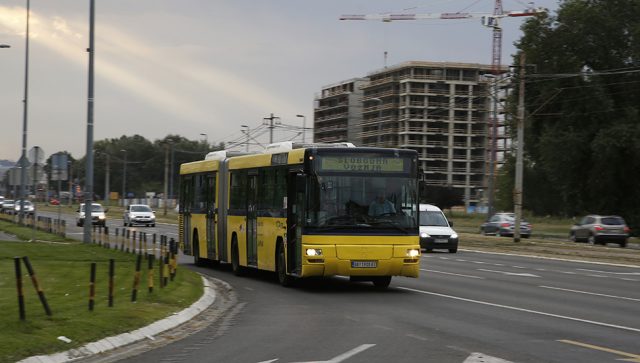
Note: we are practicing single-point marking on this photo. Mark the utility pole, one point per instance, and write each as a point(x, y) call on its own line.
point(271, 119)
point(517, 192)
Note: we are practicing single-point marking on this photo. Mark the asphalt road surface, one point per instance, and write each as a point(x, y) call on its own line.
point(466, 307)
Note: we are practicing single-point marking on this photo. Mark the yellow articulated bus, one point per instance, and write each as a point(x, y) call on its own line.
point(304, 210)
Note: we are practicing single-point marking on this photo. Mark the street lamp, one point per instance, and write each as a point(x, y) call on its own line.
point(304, 126)
point(124, 176)
point(248, 132)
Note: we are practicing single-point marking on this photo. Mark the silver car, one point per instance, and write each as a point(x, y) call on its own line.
point(27, 207)
point(597, 229)
point(139, 214)
point(503, 224)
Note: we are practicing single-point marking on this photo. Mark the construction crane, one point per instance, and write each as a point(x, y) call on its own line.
point(490, 20)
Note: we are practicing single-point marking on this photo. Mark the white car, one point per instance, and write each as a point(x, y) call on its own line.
point(139, 214)
point(98, 215)
point(435, 230)
point(27, 207)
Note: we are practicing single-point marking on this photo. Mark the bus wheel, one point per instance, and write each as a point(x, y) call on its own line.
point(235, 258)
point(281, 269)
point(381, 282)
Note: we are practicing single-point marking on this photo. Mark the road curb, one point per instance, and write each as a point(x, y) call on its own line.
point(147, 332)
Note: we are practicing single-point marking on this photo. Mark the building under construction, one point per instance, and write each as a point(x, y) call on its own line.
point(444, 111)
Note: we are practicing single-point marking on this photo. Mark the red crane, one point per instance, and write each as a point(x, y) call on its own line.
point(490, 20)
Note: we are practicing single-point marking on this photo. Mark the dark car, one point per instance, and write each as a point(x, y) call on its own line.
point(597, 229)
point(503, 224)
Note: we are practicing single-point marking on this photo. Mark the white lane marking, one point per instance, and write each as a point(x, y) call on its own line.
point(628, 279)
point(589, 293)
point(461, 260)
point(509, 273)
point(269, 361)
point(518, 267)
point(479, 262)
point(417, 337)
point(450, 273)
point(336, 359)
point(621, 327)
point(609, 272)
point(498, 264)
point(597, 276)
point(483, 358)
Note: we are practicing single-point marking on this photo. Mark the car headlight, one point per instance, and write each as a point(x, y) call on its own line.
point(101, 217)
point(314, 252)
point(424, 234)
point(413, 252)
point(454, 236)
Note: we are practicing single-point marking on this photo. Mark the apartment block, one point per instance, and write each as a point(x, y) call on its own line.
point(442, 110)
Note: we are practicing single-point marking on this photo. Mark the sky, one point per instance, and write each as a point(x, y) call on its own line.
point(194, 67)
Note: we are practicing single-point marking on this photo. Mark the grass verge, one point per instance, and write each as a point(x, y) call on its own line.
point(63, 271)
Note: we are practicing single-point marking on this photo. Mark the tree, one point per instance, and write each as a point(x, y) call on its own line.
point(582, 124)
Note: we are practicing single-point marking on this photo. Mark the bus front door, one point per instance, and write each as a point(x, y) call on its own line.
point(295, 220)
point(252, 220)
point(211, 222)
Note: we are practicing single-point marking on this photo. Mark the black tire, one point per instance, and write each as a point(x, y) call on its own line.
point(623, 244)
point(428, 250)
point(124, 222)
point(572, 237)
point(281, 268)
point(592, 240)
point(453, 250)
point(235, 258)
point(381, 282)
point(152, 225)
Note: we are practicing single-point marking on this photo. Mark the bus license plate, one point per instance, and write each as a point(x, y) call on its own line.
point(364, 264)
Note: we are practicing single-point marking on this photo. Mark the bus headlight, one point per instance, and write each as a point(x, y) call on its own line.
point(314, 252)
point(413, 252)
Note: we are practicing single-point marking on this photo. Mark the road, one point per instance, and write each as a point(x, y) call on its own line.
point(466, 307)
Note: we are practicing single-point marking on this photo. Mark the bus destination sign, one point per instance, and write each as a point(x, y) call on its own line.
point(362, 163)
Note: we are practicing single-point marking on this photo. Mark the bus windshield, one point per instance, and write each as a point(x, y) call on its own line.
point(365, 201)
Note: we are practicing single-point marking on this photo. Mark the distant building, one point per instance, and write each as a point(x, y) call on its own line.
point(440, 109)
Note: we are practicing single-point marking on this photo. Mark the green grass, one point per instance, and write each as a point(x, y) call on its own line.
point(63, 271)
point(29, 234)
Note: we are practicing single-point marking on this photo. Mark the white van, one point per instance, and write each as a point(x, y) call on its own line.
point(435, 230)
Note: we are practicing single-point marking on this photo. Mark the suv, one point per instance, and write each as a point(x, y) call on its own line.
point(139, 214)
point(98, 215)
point(597, 229)
point(435, 230)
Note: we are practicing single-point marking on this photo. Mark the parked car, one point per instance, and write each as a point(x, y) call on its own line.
point(8, 206)
point(503, 224)
point(597, 229)
point(139, 214)
point(98, 215)
point(1, 200)
point(435, 230)
point(27, 207)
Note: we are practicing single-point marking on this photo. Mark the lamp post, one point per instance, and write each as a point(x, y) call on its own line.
point(88, 193)
point(304, 126)
point(124, 177)
point(23, 158)
point(248, 133)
